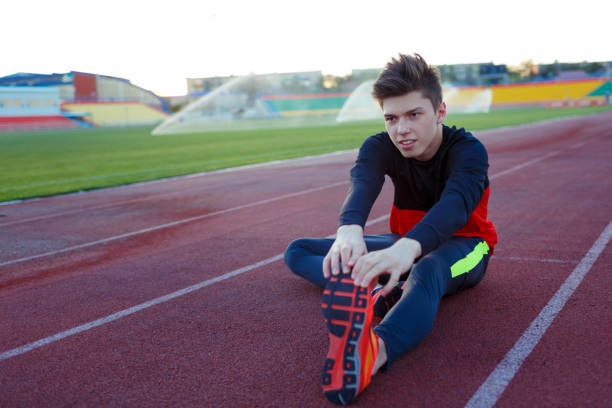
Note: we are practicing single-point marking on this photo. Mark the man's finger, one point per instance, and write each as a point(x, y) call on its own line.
point(345, 254)
point(354, 257)
point(393, 279)
point(377, 269)
point(361, 267)
point(335, 262)
point(326, 266)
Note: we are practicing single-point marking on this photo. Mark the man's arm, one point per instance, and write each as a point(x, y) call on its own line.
point(461, 195)
point(367, 179)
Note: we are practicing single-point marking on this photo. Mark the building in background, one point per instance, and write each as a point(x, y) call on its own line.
point(75, 99)
point(492, 74)
point(34, 107)
point(79, 99)
point(287, 82)
point(254, 101)
point(280, 83)
point(201, 86)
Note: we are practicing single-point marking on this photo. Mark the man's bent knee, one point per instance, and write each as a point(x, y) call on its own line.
point(294, 251)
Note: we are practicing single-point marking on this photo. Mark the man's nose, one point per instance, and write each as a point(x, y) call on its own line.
point(403, 126)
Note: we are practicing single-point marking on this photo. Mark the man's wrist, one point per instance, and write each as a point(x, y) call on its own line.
point(350, 228)
point(411, 245)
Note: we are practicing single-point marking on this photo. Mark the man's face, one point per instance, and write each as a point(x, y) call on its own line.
point(413, 124)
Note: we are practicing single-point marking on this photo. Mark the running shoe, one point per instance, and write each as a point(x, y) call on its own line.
point(353, 345)
point(382, 304)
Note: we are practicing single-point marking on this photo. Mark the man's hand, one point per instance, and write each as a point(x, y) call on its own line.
point(395, 260)
point(346, 249)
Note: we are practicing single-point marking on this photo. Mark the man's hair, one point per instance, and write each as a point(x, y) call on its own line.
point(407, 74)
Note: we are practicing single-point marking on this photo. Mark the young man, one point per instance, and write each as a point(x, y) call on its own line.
point(440, 240)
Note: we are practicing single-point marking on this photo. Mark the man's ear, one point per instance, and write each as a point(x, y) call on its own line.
point(441, 113)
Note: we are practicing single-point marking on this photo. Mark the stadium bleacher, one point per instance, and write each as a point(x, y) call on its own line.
point(307, 104)
point(32, 108)
point(75, 99)
point(13, 123)
point(601, 90)
point(538, 93)
point(117, 113)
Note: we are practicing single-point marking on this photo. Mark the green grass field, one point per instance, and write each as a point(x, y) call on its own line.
point(44, 163)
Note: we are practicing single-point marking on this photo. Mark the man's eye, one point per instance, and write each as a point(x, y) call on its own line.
point(415, 114)
point(389, 119)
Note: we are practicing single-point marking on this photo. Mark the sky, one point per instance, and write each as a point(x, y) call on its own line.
point(158, 44)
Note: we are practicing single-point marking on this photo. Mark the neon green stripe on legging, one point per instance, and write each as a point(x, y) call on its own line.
point(470, 261)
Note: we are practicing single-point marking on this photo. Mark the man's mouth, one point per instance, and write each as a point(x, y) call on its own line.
point(407, 143)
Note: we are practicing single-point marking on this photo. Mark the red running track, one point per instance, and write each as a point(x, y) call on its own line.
point(95, 269)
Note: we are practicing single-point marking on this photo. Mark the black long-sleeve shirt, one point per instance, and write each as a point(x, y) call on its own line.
point(434, 199)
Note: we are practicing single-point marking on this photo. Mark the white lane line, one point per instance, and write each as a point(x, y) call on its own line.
point(187, 176)
point(23, 349)
point(493, 387)
point(163, 195)
point(508, 171)
point(126, 312)
point(97, 207)
point(524, 259)
point(177, 166)
point(527, 163)
point(170, 224)
point(75, 211)
point(270, 163)
point(577, 145)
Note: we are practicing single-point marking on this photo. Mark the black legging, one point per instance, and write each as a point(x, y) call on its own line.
point(457, 264)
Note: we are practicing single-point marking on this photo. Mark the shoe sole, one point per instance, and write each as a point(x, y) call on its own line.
point(345, 308)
